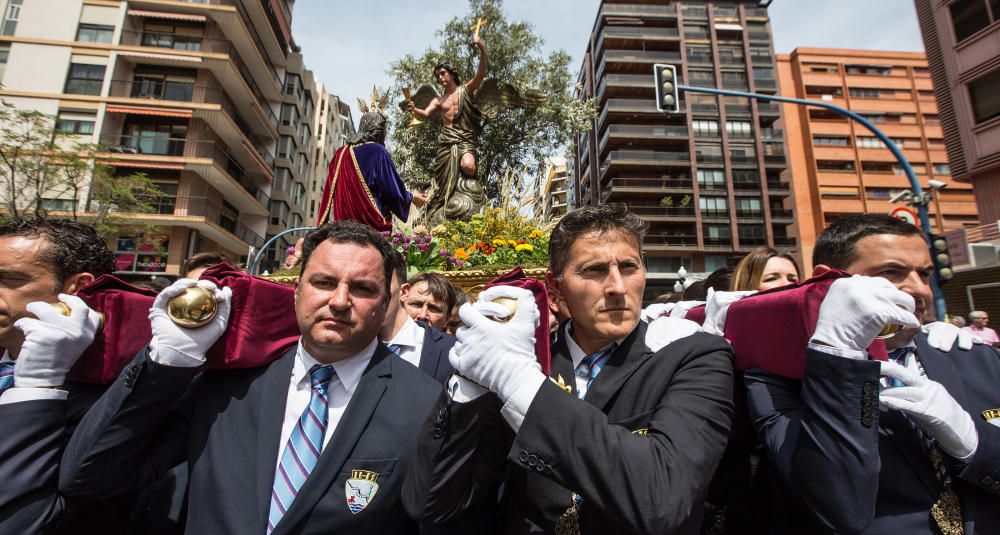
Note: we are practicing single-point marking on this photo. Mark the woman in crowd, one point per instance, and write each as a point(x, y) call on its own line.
point(764, 268)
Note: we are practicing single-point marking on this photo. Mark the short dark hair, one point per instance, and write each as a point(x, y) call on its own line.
point(836, 246)
point(602, 218)
point(399, 267)
point(718, 280)
point(200, 260)
point(354, 233)
point(72, 247)
point(451, 70)
point(439, 287)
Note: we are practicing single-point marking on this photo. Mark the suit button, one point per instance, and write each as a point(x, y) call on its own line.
point(548, 469)
point(540, 467)
point(868, 388)
point(523, 456)
point(987, 480)
point(867, 421)
point(437, 433)
point(995, 486)
point(443, 412)
point(532, 460)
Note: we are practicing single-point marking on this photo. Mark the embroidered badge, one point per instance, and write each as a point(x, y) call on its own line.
point(561, 383)
point(360, 489)
point(992, 416)
point(641, 432)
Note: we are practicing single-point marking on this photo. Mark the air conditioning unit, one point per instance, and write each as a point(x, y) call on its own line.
point(984, 254)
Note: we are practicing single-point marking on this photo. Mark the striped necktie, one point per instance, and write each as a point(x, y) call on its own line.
point(303, 449)
point(6, 376)
point(395, 348)
point(591, 365)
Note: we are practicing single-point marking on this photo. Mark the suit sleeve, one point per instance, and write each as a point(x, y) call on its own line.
point(983, 470)
point(134, 434)
point(459, 461)
point(822, 435)
point(33, 439)
point(649, 483)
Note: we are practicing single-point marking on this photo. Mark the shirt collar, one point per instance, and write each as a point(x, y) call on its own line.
point(348, 370)
point(576, 353)
point(411, 335)
point(6, 357)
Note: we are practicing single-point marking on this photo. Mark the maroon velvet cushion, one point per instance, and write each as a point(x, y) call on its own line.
point(262, 324)
point(126, 328)
point(771, 330)
point(518, 279)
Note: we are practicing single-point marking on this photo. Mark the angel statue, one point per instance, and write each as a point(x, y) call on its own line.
point(362, 183)
point(456, 192)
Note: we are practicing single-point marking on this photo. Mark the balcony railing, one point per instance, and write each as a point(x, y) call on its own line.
point(718, 242)
point(653, 183)
point(640, 10)
point(659, 211)
point(752, 241)
point(778, 187)
point(785, 241)
point(649, 156)
point(781, 214)
point(768, 108)
point(203, 207)
point(670, 240)
point(746, 186)
point(153, 144)
point(642, 33)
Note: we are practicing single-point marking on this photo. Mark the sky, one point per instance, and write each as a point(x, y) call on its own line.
point(349, 45)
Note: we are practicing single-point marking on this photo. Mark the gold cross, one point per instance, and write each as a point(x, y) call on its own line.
point(479, 24)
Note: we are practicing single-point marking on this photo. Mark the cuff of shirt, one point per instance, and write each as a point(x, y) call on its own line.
point(517, 406)
point(168, 356)
point(463, 390)
point(16, 395)
point(845, 353)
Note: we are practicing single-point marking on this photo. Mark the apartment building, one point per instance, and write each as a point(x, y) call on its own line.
point(551, 190)
point(709, 179)
point(838, 166)
point(188, 93)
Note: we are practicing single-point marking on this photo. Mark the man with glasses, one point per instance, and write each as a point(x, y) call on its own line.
point(616, 439)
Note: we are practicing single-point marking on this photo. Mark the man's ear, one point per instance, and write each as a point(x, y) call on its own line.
point(404, 291)
point(821, 269)
point(73, 284)
point(553, 283)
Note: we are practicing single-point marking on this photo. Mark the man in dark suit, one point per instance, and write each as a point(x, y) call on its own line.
point(617, 439)
point(46, 261)
point(911, 451)
point(318, 441)
point(406, 331)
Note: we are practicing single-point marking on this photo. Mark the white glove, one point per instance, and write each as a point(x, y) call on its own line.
point(175, 345)
point(857, 308)
point(665, 330)
point(934, 409)
point(716, 308)
point(53, 342)
point(681, 309)
point(942, 335)
point(498, 356)
point(656, 310)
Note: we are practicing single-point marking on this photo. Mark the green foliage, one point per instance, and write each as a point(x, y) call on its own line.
point(40, 162)
point(517, 138)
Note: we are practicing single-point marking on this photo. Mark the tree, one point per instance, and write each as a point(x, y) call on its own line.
point(40, 163)
point(517, 138)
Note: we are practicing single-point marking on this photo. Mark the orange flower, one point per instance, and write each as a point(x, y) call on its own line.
point(461, 254)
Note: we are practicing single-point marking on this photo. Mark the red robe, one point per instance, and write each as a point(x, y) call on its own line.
point(362, 185)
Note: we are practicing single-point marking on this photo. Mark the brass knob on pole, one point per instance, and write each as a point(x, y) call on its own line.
point(510, 304)
point(64, 309)
point(193, 308)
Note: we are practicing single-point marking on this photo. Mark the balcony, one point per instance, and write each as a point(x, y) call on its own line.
point(682, 213)
point(635, 60)
point(746, 242)
point(778, 188)
point(204, 157)
point(726, 12)
point(785, 242)
point(768, 108)
point(782, 215)
point(746, 187)
point(215, 221)
point(759, 36)
point(766, 84)
point(224, 119)
point(743, 160)
point(217, 55)
point(648, 158)
point(638, 10)
point(620, 132)
point(700, 59)
point(718, 244)
point(671, 241)
point(651, 185)
point(618, 36)
point(625, 84)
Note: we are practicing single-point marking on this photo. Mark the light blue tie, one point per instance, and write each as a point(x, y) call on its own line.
point(591, 365)
point(395, 348)
point(6, 376)
point(303, 449)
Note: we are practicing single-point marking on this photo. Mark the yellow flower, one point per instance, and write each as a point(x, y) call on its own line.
point(512, 242)
point(537, 233)
point(525, 247)
point(461, 254)
point(499, 241)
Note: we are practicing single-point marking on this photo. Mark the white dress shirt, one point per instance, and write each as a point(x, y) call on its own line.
point(338, 393)
point(15, 394)
point(410, 340)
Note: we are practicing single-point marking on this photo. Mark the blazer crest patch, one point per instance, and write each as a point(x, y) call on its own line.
point(360, 489)
point(561, 383)
point(992, 416)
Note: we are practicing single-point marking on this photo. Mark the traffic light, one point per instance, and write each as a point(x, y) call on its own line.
point(667, 96)
point(941, 258)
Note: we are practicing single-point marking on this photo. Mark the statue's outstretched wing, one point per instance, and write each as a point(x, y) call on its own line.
point(422, 97)
point(495, 95)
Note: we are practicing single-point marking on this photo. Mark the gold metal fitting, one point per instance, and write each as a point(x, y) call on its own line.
point(193, 308)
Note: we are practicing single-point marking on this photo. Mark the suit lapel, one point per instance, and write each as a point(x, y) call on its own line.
point(271, 399)
point(352, 424)
point(631, 354)
point(562, 371)
point(430, 353)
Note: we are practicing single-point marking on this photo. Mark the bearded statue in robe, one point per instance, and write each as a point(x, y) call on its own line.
point(456, 190)
point(362, 183)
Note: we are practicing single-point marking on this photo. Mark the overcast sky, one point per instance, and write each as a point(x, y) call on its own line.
point(349, 44)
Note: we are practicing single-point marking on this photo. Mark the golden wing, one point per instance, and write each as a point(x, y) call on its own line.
point(495, 95)
point(421, 98)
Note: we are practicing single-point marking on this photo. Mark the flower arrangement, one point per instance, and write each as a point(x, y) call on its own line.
point(495, 239)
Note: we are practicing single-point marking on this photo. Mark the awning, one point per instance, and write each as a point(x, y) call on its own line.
point(149, 111)
point(165, 15)
point(730, 27)
point(142, 165)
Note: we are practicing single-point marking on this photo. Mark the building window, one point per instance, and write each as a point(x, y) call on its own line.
point(831, 141)
point(95, 33)
point(706, 128)
point(4, 55)
point(57, 205)
point(874, 70)
point(75, 123)
point(968, 17)
point(879, 193)
point(85, 79)
point(942, 169)
point(702, 78)
point(868, 142)
point(717, 234)
point(712, 178)
point(713, 205)
point(10, 17)
point(286, 147)
point(835, 165)
point(863, 92)
point(748, 206)
point(985, 95)
point(739, 129)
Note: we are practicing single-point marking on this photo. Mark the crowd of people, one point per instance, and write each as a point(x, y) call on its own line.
point(409, 406)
